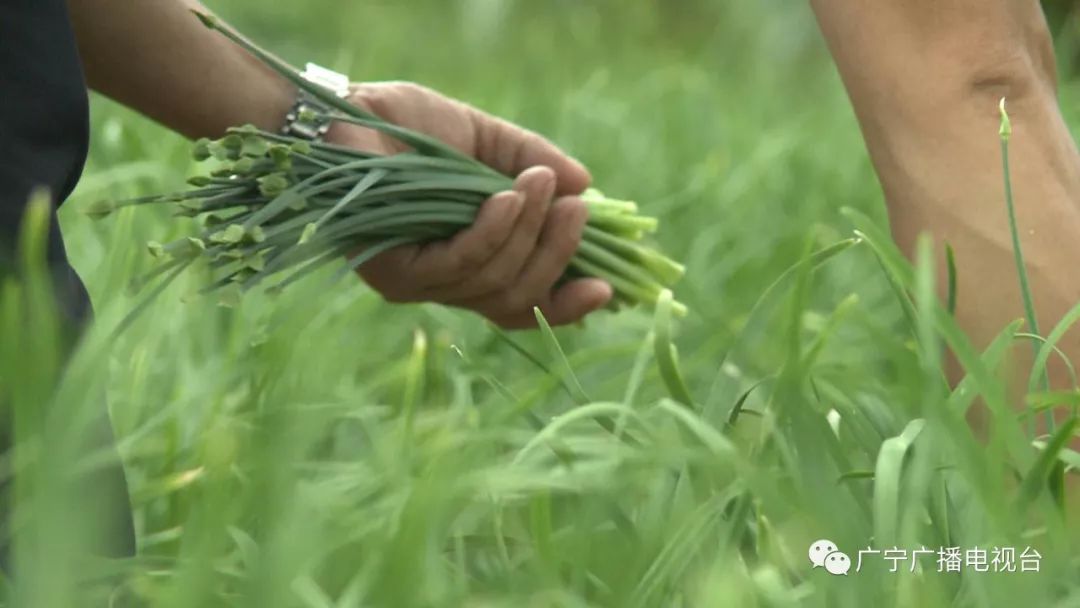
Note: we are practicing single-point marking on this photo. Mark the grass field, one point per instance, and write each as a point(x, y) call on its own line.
point(325, 449)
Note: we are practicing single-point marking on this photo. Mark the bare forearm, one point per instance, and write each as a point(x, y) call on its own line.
point(154, 56)
point(925, 78)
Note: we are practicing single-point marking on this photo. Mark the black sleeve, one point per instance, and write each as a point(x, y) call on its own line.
point(44, 124)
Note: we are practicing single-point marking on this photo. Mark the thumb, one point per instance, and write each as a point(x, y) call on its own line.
point(510, 149)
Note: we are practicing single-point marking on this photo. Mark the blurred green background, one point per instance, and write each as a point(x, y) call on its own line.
point(725, 120)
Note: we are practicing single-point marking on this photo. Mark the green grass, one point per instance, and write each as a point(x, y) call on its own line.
point(323, 448)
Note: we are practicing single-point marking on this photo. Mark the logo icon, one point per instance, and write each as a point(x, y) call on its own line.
point(824, 554)
point(838, 563)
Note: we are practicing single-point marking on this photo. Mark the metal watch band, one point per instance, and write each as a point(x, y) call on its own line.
point(305, 119)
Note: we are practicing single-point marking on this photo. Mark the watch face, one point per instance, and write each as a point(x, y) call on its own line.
point(307, 119)
point(336, 82)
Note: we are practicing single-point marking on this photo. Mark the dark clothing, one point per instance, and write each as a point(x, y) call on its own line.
point(44, 134)
point(44, 123)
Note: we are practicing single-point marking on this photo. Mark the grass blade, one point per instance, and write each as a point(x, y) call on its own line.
point(758, 321)
point(667, 357)
point(887, 480)
point(1038, 370)
point(1040, 472)
point(1018, 252)
point(950, 266)
point(566, 373)
point(737, 408)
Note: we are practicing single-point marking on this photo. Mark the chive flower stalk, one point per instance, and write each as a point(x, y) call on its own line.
point(275, 208)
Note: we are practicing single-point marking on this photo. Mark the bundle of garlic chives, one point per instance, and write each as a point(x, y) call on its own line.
point(277, 205)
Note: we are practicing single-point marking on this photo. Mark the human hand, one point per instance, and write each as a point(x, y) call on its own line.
point(510, 259)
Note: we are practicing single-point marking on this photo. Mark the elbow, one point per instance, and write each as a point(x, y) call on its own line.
point(1018, 79)
point(1021, 69)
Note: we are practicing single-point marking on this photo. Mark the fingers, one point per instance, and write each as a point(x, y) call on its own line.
point(568, 304)
point(521, 242)
point(533, 280)
point(559, 241)
point(406, 274)
point(458, 258)
point(506, 263)
point(510, 149)
point(500, 144)
point(536, 186)
point(512, 306)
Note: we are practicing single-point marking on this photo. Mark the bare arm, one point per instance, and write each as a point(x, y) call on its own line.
point(153, 55)
point(925, 78)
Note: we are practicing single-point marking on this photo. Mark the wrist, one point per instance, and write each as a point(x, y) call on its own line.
point(307, 117)
point(344, 133)
point(246, 92)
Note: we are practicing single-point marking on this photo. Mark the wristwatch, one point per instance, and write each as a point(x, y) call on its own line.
point(307, 118)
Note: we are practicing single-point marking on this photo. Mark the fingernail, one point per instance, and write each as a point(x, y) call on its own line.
point(580, 166)
point(547, 184)
point(505, 197)
point(513, 198)
point(510, 203)
point(539, 173)
point(604, 293)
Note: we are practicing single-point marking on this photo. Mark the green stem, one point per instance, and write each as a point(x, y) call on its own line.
point(1018, 252)
point(617, 265)
point(665, 269)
